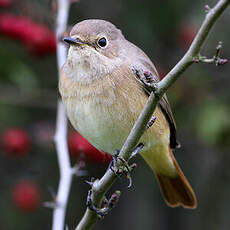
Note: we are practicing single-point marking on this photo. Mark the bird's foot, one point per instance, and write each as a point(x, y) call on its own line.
point(124, 168)
point(107, 205)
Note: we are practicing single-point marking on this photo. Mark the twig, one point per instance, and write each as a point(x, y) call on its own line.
point(66, 171)
point(100, 187)
point(215, 59)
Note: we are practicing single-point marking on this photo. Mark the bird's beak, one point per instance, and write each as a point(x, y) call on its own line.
point(73, 41)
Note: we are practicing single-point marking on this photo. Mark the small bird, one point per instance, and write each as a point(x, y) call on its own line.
point(103, 99)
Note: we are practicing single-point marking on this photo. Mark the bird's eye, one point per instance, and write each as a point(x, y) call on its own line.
point(102, 42)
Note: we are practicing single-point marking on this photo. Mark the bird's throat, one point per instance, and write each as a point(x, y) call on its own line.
point(86, 65)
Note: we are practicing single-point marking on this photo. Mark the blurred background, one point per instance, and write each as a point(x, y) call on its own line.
point(29, 171)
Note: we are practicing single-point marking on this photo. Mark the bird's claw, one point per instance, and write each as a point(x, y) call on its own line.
point(107, 204)
point(125, 168)
point(113, 164)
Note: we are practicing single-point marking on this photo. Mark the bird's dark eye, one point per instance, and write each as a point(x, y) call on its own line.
point(102, 42)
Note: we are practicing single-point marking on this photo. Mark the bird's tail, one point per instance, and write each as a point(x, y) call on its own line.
point(176, 190)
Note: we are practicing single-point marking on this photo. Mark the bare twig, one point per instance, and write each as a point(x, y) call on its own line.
point(100, 187)
point(66, 171)
point(215, 59)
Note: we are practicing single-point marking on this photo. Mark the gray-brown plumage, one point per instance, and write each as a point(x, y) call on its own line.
point(103, 99)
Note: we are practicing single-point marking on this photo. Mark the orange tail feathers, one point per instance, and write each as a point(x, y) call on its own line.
point(177, 190)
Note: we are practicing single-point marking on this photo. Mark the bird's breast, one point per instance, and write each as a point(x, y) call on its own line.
point(105, 110)
point(97, 112)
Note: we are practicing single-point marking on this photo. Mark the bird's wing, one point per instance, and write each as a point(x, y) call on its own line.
point(165, 107)
point(142, 61)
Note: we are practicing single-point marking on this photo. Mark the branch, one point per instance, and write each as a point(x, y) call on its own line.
point(66, 171)
point(100, 187)
point(215, 59)
point(194, 50)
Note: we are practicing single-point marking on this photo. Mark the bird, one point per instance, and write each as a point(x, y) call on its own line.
point(103, 98)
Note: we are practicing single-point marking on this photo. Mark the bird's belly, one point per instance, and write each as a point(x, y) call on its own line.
point(99, 125)
point(107, 126)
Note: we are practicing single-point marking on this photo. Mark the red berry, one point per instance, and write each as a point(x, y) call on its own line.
point(15, 27)
point(37, 38)
point(8, 24)
point(26, 196)
point(15, 141)
point(79, 145)
point(186, 34)
point(5, 3)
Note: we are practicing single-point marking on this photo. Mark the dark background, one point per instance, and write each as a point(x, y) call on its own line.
point(199, 101)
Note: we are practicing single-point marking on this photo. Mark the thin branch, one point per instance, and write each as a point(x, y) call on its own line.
point(66, 171)
point(100, 187)
point(61, 26)
point(215, 59)
point(194, 50)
